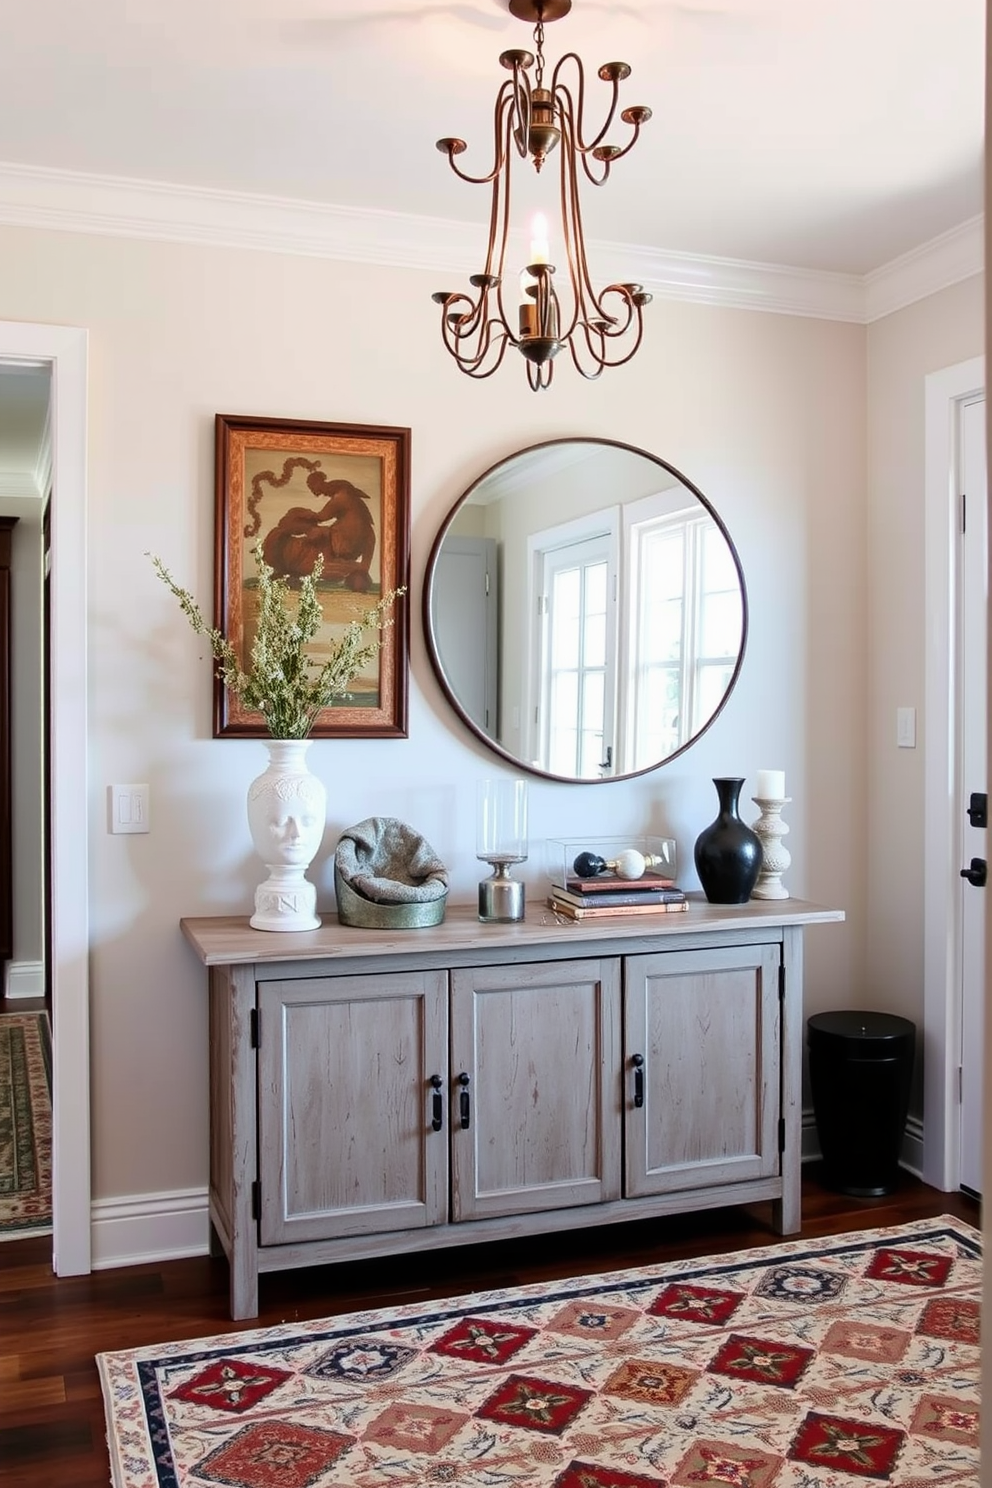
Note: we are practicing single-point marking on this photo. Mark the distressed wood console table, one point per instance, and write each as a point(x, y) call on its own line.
point(374, 1092)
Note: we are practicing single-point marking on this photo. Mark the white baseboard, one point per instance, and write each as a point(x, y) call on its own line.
point(169, 1226)
point(149, 1227)
point(24, 979)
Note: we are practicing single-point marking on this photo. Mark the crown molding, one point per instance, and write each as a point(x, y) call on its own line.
point(70, 201)
point(740, 284)
point(18, 485)
point(44, 465)
point(943, 261)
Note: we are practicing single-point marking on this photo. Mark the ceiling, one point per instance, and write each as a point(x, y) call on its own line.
point(821, 134)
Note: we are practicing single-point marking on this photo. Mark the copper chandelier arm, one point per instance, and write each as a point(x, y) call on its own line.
point(637, 115)
point(558, 86)
point(571, 214)
point(450, 147)
point(459, 332)
point(473, 363)
point(458, 324)
point(499, 217)
point(539, 376)
point(572, 233)
point(617, 152)
point(617, 325)
point(468, 335)
point(596, 340)
point(569, 113)
point(521, 105)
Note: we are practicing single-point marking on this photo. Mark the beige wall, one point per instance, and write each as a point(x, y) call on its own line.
point(766, 413)
point(903, 348)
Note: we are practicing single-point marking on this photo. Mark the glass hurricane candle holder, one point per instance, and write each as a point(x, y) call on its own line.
point(501, 841)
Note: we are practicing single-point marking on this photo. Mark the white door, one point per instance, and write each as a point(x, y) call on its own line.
point(973, 779)
point(464, 610)
point(577, 597)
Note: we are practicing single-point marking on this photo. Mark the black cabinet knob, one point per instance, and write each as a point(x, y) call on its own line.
point(637, 1060)
point(437, 1108)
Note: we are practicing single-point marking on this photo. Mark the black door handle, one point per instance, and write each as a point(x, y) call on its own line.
point(637, 1060)
point(463, 1101)
point(977, 873)
point(437, 1110)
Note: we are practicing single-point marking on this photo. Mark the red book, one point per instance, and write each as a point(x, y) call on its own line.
point(611, 911)
point(606, 882)
point(633, 893)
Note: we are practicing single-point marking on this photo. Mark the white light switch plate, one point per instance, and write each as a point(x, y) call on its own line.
point(129, 808)
point(906, 728)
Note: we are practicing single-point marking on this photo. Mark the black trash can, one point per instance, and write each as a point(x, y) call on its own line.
point(860, 1068)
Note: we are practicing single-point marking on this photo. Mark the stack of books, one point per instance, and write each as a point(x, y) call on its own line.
point(607, 894)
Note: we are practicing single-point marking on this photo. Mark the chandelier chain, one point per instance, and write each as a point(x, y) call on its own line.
point(539, 49)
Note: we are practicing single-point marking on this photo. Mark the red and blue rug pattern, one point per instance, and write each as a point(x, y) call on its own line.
point(25, 1125)
point(846, 1361)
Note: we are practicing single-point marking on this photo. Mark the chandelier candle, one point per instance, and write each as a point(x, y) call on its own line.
point(532, 122)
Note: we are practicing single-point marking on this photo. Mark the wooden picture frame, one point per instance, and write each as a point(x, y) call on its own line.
point(304, 487)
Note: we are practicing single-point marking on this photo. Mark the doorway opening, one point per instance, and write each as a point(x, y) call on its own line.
point(62, 349)
point(25, 471)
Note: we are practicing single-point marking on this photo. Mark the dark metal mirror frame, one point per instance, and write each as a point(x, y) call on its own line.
point(434, 653)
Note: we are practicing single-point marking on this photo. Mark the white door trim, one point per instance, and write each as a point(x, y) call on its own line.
point(944, 393)
point(64, 348)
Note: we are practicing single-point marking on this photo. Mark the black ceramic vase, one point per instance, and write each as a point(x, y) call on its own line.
point(728, 853)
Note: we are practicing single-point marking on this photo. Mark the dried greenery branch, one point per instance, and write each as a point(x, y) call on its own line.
point(283, 682)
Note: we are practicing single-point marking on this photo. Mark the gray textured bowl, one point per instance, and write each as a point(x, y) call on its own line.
point(367, 915)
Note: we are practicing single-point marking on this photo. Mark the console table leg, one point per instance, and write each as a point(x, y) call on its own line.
point(787, 1211)
point(244, 1288)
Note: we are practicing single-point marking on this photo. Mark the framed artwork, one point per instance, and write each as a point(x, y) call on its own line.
point(303, 489)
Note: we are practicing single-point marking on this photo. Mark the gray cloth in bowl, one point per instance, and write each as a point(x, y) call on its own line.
point(388, 862)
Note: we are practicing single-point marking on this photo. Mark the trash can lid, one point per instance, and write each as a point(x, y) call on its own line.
point(868, 1032)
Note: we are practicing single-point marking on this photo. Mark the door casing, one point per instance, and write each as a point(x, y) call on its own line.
point(945, 392)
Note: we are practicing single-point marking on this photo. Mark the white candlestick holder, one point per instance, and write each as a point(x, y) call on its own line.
point(775, 858)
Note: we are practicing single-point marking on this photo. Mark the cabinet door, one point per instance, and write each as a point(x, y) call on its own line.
point(539, 1045)
point(706, 1026)
point(345, 1105)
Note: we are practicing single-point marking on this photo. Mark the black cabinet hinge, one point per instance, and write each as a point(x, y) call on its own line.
point(256, 1199)
point(781, 1134)
point(254, 1034)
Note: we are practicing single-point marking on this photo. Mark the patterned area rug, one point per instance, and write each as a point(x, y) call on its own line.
point(805, 1365)
point(25, 1125)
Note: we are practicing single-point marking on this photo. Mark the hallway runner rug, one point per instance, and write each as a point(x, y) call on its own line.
point(810, 1364)
point(25, 1125)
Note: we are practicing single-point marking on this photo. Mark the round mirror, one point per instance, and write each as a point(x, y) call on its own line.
point(585, 610)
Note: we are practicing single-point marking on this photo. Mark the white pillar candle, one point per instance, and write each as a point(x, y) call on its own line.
point(540, 250)
point(769, 785)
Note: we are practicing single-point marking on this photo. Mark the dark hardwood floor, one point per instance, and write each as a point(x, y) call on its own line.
point(51, 1413)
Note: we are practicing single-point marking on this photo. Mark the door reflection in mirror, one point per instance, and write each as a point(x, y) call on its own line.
point(585, 610)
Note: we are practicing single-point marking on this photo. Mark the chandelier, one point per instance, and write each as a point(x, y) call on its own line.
point(530, 120)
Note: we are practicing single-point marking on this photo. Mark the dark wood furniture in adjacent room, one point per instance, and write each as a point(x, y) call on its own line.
point(7, 525)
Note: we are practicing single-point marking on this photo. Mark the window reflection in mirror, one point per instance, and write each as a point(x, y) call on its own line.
point(585, 610)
